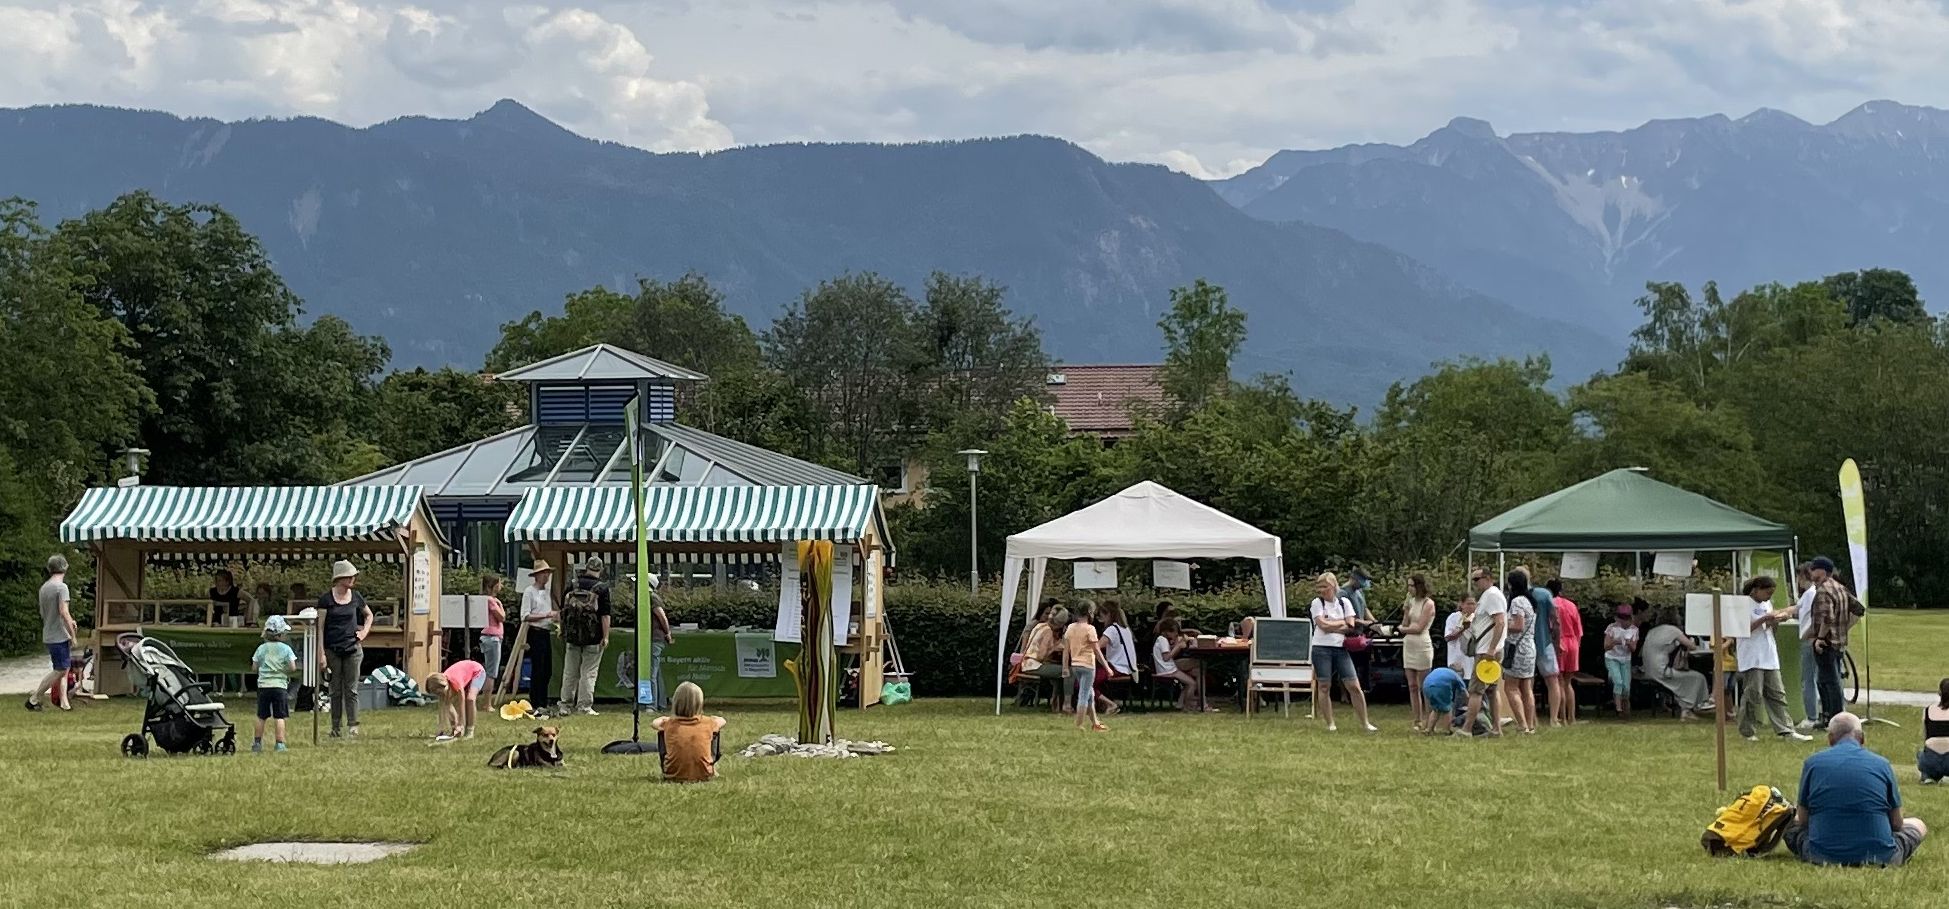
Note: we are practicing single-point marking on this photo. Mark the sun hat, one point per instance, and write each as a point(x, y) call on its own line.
point(541, 566)
point(276, 627)
point(1823, 563)
point(342, 569)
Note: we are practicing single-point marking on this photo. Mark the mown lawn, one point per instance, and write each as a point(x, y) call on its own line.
point(1910, 648)
point(1164, 810)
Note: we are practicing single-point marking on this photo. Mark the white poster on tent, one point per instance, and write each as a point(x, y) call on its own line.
point(789, 608)
point(842, 600)
point(1579, 566)
point(1095, 576)
point(1674, 564)
point(1166, 574)
point(1735, 615)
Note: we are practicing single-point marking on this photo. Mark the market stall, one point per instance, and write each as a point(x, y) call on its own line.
point(1146, 521)
point(127, 528)
point(703, 525)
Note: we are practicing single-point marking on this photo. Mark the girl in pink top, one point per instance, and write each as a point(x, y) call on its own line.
point(1569, 643)
point(457, 688)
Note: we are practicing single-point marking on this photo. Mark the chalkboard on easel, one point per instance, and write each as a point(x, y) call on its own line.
point(1282, 640)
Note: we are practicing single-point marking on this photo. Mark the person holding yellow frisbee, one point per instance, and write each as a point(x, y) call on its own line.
point(1483, 639)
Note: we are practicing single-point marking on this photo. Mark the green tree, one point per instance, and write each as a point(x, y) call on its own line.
point(983, 358)
point(1634, 420)
point(1034, 472)
point(1877, 294)
point(420, 412)
point(242, 393)
point(72, 397)
point(849, 346)
point(594, 316)
point(1202, 333)
point(1458, 446)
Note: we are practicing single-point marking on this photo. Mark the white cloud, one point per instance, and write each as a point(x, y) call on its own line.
point(1199, 85)
point(358, 61)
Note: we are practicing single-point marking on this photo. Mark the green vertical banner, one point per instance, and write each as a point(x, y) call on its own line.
point(645, 620)
point(1772, 565)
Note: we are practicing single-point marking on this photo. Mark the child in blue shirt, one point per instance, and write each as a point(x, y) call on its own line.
point(1446, 694)
point(276, 664)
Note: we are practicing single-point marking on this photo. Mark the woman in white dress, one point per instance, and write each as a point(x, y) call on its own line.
point(1417, 648)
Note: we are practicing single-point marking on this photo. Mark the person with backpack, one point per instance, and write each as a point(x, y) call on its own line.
point(586, 616)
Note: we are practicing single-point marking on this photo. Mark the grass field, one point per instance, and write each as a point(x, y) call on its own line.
point(1910, 648)
point(1163, 810)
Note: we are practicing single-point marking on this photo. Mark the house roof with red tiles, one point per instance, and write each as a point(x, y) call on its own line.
point(1096, 399)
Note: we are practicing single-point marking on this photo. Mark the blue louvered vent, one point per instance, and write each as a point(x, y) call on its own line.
point(601, 404)
point(448, 512)
point(661, 407)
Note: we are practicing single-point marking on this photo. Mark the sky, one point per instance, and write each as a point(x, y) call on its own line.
point(1209, 87)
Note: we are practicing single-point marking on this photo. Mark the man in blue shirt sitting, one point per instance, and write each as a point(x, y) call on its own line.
point(1850, 811)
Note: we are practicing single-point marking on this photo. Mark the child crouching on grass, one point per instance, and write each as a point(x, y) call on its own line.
point(458, 688)
point(276, 663)
point(687, 753)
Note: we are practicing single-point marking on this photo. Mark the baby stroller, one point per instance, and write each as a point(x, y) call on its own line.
point(179, 714)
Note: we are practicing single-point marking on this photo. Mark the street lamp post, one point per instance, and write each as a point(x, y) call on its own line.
point(974, 456)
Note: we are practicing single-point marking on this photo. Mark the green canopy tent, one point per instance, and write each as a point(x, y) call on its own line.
point(1626, 511)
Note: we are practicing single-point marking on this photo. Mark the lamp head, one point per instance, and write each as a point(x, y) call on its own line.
point(974, 456)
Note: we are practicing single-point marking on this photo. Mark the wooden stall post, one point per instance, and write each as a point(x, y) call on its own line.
point(1719, 689)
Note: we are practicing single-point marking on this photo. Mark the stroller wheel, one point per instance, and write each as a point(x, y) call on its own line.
point(201, 748)
point(135, 746)
point(227, 746)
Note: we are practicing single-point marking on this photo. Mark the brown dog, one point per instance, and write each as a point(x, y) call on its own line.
point(542, 752)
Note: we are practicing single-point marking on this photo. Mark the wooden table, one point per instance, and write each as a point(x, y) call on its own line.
point(1208, 653)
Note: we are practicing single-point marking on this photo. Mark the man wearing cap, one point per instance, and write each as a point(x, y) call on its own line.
point(58, 633)
point(538, 616)
point(345, 620)
point(586, 616)
point(1483, 639)
point(1850, 808)
point(1832, 614)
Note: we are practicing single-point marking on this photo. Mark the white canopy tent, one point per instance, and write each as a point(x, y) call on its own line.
point(1146, 521)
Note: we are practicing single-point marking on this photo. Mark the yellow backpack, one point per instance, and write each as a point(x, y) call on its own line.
point(1752, 825)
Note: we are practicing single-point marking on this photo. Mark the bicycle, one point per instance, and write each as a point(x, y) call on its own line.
point(1850, 678)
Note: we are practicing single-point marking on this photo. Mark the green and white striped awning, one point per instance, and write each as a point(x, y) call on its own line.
point(696, 514)
point(243, 514)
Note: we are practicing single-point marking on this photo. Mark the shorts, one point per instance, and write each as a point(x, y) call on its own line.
point(1333, 664)
point(1620, 673)
point(1441, 698)
point(1932, 765)
point(60, 655)
point(273, 702)
point(1479, 687)
point(1084, 678)
point(1546, 662)
point(478, 684)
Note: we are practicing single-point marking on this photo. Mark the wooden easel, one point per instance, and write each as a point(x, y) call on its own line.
point(510, 669)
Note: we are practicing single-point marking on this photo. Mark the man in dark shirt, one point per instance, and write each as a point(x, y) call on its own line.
point(1850, 809)
point(584, 638)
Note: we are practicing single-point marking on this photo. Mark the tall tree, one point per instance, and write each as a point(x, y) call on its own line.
point(1202, 333)
point(1877, 294)
point(242, 394)
point(983, 358)
point(420, 412)
point(72, 396)
point(849, 346)
point(593, 316)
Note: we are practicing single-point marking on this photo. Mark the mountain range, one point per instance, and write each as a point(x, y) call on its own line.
point(1571, 225)
point(430, 233)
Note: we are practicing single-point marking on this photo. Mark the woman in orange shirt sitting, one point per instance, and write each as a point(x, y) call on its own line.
point(688, 755)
